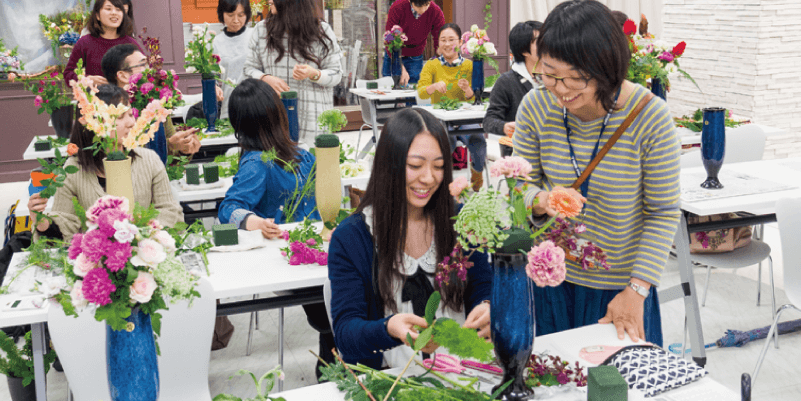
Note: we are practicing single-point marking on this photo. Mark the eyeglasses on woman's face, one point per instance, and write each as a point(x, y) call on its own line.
point(549, 80)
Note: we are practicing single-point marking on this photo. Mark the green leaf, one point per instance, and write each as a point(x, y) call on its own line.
point(409, 339)
point(71, 169)
point(431, 307)
point(226, 397)
point(461, 342)
point(423, 339)
point(500, 390)
point(155, 320)
point(242, 372)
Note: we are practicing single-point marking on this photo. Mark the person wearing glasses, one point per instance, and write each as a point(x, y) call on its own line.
point(118, 65)
point(511, 86)
point(108, 25)
point(631, 200)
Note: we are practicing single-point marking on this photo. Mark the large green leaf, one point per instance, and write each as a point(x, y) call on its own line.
point(431, 307)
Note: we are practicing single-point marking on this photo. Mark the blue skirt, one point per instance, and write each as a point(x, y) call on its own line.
point(569, 306)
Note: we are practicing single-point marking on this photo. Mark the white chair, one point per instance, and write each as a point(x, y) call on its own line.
point(369, 119)
point(185, 345)
point(789, 219)
point(743, 144)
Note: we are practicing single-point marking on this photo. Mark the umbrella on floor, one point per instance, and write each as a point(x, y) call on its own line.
point(737, 338)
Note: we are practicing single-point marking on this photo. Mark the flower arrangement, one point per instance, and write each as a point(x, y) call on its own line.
point(477, 44)
point(199, 57)
point(123, 260)
point(154, 82)
point(695, 122)
point(9, 59)
point(652, 58)
point(101, 119)
point(394, 39)
point(64, 28)
point(551, 370)
point(305, 245)
point(257, 8)
point(51, 92)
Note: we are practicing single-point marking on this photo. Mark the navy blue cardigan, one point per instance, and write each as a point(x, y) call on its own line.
point(356, 309)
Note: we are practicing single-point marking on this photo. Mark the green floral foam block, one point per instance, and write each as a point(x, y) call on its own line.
point(40, 146)
point(225, 234)
point(192, 174)
point(605, 383)
point(211, 172)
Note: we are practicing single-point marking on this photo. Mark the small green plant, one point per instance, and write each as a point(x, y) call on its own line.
point(223, 125)
point(55, 166)
point(332, 120)
point(233, 164)
point(265, 383)
point(295, 199)
point(446, 103)
point(176, 166)
point(19, 362)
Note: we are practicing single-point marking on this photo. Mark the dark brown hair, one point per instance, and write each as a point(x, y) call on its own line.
point(259, 119)
point(296, 21)
point(584, 34)
point(88, 159)
point(96, 29)
point(229, 6)
point(386, 193)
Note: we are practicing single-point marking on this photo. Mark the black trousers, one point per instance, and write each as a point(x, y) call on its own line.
point(317, 317)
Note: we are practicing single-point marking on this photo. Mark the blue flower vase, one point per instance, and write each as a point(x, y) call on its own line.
point(477, 81)
point(290, 100)
point(210, 103)
point(658, 88)
point(512, 314)
point(713, 145)
point(132, 369)
point(396, 67)
point(159, 143)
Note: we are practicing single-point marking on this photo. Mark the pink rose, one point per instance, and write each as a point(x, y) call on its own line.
point(166, 240)
point(143, 287)
point(546, 264)
point(83, 266)
point(163, 74)
point(76, 294)
point(154, 224)
point(149, 253)
point(458, 185)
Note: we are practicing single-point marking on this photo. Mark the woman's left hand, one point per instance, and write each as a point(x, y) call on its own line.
point(626, 313)
point(479, 318)
point(464, 85)
point(303, 71)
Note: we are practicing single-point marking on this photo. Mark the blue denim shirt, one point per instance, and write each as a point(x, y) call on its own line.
point(262, 188)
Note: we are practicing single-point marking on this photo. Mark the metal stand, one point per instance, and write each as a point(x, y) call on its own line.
point(38, 343)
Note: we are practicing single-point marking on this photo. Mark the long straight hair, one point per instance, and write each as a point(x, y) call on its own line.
point(126, 26)
point(82, 137)
point(259, 120)
point(386, 194)
point(297, 22)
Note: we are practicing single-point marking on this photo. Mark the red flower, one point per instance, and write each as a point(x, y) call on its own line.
point(679, 49)
point(629, 27)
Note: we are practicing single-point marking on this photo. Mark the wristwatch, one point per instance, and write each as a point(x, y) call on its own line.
point(639, 289)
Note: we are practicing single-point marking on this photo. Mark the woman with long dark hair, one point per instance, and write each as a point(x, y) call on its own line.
point(382, 260)
point(108, 25)
point(150, 183)
point(631, 200)
point(292, 50)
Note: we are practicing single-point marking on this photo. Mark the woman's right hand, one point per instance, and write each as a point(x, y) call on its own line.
point(98, 79)
point(402, 323)
point(542, 206)
point(37, 204)
point(440, 87)
point(509, 129)
point(278, 84)
point(267, 227)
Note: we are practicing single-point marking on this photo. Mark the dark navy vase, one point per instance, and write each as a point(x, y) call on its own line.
point(512, 316)
point(658, 88)
point(290, 100)
point(396, 67)
point(61, 118)
point(210, 103)
point(713, 145)
point(159, 143)
point(477, 79)
point(133, 373)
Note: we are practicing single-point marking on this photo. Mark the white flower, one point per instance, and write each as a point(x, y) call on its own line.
point(76, 294)
point(671, 68)
point(166, 240)
point(489, 47)
point(190, 69)
point(143, 287)
point(53, 285)
point(473, 28)
point(126, 231)
point(52, 24)
point(149, 253)
point(472, 45)
point(222, 70)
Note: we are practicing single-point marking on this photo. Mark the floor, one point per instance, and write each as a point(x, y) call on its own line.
point(731, 304)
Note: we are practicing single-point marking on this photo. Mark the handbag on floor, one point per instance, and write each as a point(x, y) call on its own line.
point(653, 370)
point(718, 241)
point(460, 158)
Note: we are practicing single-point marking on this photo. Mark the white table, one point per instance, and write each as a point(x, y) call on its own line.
point(690, 139)
point(375, 97)
point(455, 120)
point(32, 154)
point(566, 345)
point(785, 172)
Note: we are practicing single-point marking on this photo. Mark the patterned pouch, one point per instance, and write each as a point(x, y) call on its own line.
point(653, 370)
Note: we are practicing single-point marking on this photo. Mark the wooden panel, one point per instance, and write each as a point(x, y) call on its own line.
point(162, 18)
point(472, 12)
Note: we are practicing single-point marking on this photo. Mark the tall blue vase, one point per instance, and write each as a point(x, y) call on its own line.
point(512, 315)
point(290, 100)
point(396, 67)
point(132, 369)
point(477, 80)
point(658, 88)
point(713, 145)
point(210, 103)
point(159, 143)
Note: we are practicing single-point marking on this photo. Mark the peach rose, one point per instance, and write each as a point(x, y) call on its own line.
point(143, 287)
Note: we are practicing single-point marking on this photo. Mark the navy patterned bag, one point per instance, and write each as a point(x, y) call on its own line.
point(653, 370)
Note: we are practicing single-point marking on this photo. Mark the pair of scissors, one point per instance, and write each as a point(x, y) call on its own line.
point(445, 363)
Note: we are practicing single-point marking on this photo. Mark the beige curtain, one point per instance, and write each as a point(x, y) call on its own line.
point(524, 10)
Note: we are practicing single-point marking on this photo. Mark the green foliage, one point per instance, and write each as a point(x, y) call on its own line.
point(431, 307)
point(490, 80)
point(142, 215)
point(55, 166)
point(233, 164)
point(342, 215)
point(176, 166)
point(695, 122)
point(295, 199)
point(446, 103)
point(181, 232)
point(332, 120)
point(19, 362)
point(263, 385)
point(487, 15)
point(114, 313)
point(344, 152)
point(462, 342)
point(223, 126)
point(79, 211)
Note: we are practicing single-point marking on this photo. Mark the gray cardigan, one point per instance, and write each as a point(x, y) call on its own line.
point(507, 93)
point(313, 97)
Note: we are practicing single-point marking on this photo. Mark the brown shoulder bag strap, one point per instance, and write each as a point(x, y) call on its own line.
point(594, 163)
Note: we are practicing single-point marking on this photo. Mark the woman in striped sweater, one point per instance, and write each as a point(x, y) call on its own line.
point(631, 202)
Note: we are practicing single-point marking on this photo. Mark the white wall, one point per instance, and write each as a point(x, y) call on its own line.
point(525, 10)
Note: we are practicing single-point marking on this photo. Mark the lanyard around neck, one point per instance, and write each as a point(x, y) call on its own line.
point(585, 186)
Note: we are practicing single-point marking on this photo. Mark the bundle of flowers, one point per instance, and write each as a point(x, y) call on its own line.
point(305, 245)
point(154, 82)
point(101, 119)
point(199, 56)
point(351, 169)
point(477, 44)
point(257, 8)
point(551, 370)
point(652, 58)
point(64, 27)
point(695, 122)
point(123, 260)
point(394, 39)
point(9, 59)
point(51, 92)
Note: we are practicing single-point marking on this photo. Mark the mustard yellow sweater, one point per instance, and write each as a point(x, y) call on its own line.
point(433, 72)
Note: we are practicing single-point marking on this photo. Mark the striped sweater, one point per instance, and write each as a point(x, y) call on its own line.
point(632, 207)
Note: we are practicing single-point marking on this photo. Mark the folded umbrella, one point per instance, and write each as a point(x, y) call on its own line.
point(737, 338)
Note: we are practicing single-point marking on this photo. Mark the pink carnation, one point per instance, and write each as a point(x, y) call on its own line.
point(322, 258)
point(94, 245)
point(135, 112)
point(311, 242)
point(117, 255)
point(106, 219)
point(146, 88)
point(37, 101)
point(546, 264)
point(285, 235)
point(135, 78)
point(296, 247)
point(666, 56)
point(97, 287)
point(216, 58)
point(511, 167)
point(163, 74)
point(458, 185)
point(106, 202)
point(295, 259)
point(165, 93)
point(75, 246)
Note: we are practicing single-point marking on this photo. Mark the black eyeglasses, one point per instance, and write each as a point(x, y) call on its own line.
point(143, 64)
point(569, 82)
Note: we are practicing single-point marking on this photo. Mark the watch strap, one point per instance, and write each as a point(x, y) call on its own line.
point(644, 292)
